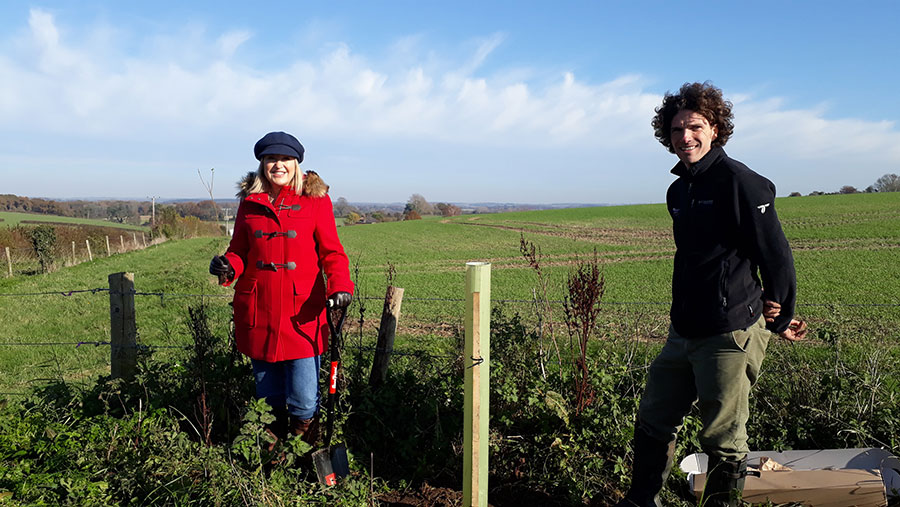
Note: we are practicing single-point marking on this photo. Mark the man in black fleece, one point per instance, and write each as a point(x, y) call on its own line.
point(729, 247)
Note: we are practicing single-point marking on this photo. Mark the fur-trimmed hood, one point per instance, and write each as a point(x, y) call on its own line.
point(313, 185)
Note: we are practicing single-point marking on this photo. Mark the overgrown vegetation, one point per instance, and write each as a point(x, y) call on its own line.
point(177, 434)
point(172, 225)
point(186, 430)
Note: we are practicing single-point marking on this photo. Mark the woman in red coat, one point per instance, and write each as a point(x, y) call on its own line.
point(284, 240)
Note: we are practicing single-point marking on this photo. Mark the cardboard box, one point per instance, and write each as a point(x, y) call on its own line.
point(818, 478)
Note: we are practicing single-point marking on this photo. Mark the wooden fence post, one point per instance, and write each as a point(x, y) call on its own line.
point(393, 299)
point(8, 262)
point(477, 384)
point(134, 237)
point(73, 254)
point(144, 240)
point(122, 326)
point(87, 243)
point(122, 243)
point(108, 251)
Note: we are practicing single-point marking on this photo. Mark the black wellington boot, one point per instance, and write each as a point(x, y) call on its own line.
point(724, 482)
point(652, 462)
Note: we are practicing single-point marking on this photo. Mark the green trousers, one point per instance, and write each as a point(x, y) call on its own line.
point(715, 372)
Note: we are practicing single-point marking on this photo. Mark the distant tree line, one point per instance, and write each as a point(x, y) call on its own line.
point(886, 183)
point(130, 212)
point(114, 210)
point(138, 212)
point(416, 207)
point(204, 210)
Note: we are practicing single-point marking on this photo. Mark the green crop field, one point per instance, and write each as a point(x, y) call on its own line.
point(846, 247)
point(12, 219)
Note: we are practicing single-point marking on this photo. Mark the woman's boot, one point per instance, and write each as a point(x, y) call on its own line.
point(277, 429)
point(306, 429)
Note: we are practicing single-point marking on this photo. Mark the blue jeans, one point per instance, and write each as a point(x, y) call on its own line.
point(294, 383)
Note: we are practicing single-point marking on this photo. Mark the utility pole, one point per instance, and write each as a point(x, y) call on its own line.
point(225, 213)
point(153, 210)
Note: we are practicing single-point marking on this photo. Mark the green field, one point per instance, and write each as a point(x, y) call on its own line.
point(837, 389)
point(847, 251)
point(12, 219)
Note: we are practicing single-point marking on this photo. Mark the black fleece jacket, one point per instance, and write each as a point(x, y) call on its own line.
point(727, 236)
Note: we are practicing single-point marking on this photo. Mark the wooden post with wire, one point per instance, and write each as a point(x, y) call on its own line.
point(122, 243)
point(108, 251)
point(74, 261)
point(393, 299)
point(122, 326)
point(8, 262)
point(87, 243)
point(477, 384)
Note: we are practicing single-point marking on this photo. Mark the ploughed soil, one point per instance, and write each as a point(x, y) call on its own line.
point(431, 496)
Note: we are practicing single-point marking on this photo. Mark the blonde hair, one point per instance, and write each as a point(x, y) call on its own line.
point(261, 183)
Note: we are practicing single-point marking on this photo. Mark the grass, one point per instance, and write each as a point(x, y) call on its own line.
point(12, 219)
point(846, 248)
point(175, 268)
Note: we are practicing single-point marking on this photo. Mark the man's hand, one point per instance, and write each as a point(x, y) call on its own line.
point(795, 332)
point(771, 309)
point(340, 300)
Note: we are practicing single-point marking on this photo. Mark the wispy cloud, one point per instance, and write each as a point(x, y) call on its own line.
point(183, 101)
point(229, 42)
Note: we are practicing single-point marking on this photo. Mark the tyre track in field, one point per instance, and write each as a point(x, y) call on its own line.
point(844, 244)
point(452, 265)
point(605, 235)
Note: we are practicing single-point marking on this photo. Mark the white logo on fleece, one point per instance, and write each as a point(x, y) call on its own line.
point(762, 207)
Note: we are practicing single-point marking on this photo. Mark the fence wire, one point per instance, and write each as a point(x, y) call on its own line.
point(177, 295)
point(13, 342)
point(94, 343)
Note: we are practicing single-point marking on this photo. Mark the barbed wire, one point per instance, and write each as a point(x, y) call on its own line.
point(51, 344)
point(55, 293)
point(618, 303)
point(417, 353)
point(94, 343)
point(170, 295)
point(176, 295)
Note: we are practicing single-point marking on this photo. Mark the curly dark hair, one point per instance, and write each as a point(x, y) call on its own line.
point(702, 98)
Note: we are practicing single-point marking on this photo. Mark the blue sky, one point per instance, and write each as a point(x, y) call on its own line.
point(530, 102)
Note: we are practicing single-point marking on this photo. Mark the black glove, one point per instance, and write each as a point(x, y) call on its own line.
point(219, 266)
point(340, 300)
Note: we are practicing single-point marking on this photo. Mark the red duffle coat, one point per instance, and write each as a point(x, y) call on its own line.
point(279, 251)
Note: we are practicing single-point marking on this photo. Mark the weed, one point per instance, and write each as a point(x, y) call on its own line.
point(582, 307)
point(43, 241)
point(532, 254)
